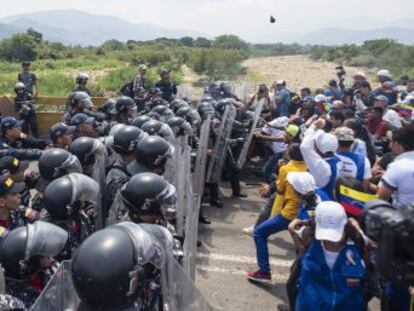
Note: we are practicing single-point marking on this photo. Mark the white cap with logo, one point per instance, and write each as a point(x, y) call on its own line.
point(327, 142)
point(330, 220)
point(302, 182)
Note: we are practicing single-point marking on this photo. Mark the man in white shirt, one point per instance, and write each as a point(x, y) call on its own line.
point(328, 156)
point(398, 179)
point(390, 116)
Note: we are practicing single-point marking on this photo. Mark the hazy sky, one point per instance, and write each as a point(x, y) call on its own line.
point(242, 17)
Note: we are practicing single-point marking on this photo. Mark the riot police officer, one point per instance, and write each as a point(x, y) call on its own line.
point(81, 82)
point(124, 144)
point(23, 105)
point(151, 155)
point(70, 202)
point(127, 282)
point(27, 255)
point(126, 110)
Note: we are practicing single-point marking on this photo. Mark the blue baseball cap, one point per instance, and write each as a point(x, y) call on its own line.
point(7, 185)
point(60, 129)
point(9, 123)
point(81, 118)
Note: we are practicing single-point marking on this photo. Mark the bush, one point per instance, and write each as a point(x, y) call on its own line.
point(19, 47)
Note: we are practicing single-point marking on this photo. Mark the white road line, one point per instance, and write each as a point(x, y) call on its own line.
point(243, 259)
point(275, 277)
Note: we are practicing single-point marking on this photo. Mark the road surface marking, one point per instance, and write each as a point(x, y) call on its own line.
point(275, 277)
point(243, 259)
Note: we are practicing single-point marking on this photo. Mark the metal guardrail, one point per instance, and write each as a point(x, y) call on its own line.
point(49, 110)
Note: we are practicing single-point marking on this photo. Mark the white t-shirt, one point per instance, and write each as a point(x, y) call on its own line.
point(393, 118)
point(330, 257)
point(359, 147)
point(277, 147)
point(399, 177)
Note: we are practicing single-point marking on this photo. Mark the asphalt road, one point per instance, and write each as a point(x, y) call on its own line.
point(227, 254)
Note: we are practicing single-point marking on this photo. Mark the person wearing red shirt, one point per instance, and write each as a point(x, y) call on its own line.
point(375, 124)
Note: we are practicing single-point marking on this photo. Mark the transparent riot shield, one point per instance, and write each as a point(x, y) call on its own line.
point(98, 175)
point(256, 117)
point(242, 91)
point(2, 281)
point(179, 291)
point(201, 157)
point(59, 294)
point(218, 157)
point(184, 92)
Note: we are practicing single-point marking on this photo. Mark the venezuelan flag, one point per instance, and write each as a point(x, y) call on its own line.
point(353, 201)
point(406, 110)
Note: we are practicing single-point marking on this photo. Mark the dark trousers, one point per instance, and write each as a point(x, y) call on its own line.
point(292, 283)
point(30, 121)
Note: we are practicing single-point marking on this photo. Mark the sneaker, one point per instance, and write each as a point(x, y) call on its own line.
point(261, 277)
point(248, 230)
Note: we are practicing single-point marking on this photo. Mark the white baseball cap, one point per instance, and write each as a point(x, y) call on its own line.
point(384, 73)
point(302, 182)
point(327, 142)
point(320, 98)
point(330, 218)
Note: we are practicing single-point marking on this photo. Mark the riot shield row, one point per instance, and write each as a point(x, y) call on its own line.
point(178, 291)
point(218, 157)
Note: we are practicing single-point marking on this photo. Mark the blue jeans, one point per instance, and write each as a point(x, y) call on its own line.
point(261, 233)
point(270, 167)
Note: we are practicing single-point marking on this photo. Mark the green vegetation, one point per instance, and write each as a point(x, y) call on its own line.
point(384, 53)
point(114, 63)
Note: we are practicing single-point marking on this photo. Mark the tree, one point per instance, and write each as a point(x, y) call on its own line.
point(19, 47)
point(37, 36)
point(201, 42)
point(187, 41)
point(113, 45)
point(230, 42)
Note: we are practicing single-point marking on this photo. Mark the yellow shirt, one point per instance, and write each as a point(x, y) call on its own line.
point(287, 201)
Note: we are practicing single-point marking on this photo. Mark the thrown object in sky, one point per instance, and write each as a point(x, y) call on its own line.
point(272, 19)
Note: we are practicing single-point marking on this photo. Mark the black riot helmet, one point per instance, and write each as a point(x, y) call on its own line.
point(152, 127)
point(84, 148)
point(80, 99)
point(124, 103)
point(103, 279)
point(223, 103)
point(179, 126)
point(183, 111)
point(205, 108)
point(126, 139)
point(139, 121)
point(57, 162)
point(61, 194)
point(109, 107)
point(160, 109)
point(179, 105)
point(145, 193)
point(21, 249)
point(153, 152)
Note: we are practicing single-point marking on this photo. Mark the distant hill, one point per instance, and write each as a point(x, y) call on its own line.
point(7, 30)
point(78, 27)
point(337, 36)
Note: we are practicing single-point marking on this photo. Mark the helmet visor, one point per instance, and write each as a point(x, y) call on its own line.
point(44, 239)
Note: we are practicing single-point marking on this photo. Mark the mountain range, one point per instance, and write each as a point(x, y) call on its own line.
point(78, 27)
point(81, 28)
